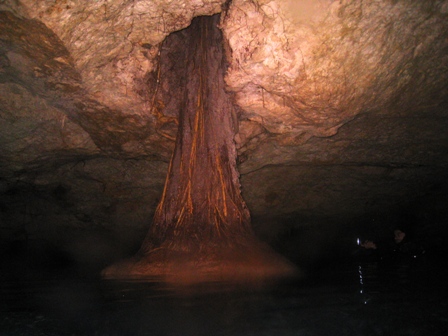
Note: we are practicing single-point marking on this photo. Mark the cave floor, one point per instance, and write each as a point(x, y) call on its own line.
point(347, 299)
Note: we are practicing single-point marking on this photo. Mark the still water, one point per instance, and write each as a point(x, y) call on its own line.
point(340, 299)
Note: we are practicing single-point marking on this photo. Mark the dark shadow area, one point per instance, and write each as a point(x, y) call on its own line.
point(56, 296)
point(315, 242)
point(54, 288)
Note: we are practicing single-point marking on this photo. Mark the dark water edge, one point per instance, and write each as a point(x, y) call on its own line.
point(406, 297)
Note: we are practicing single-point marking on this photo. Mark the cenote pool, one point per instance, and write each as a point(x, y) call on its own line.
point(350, 298)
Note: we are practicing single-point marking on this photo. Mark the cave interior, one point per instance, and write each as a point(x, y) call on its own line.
point(338, 110)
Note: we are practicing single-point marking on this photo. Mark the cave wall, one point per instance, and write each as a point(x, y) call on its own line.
point(342, 110)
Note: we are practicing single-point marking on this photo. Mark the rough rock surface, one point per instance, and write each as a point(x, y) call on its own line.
point(342, 109)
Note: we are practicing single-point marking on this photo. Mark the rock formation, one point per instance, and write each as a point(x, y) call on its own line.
point(340, 109)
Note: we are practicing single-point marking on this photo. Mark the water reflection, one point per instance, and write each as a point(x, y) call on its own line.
point(353, 299)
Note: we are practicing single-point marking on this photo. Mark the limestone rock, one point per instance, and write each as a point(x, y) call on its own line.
point(342, 108)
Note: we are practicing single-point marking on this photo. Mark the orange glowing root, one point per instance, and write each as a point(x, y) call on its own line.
point(201, 229)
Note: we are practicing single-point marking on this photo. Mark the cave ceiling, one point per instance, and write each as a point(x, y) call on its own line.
point(342, 106)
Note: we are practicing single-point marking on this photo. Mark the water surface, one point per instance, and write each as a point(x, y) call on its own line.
point(407, 298)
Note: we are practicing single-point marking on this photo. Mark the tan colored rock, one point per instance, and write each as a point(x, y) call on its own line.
point(341, 105)
point(296, 74)
point(114, 44)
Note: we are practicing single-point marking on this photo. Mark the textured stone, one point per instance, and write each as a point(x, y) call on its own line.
point(342, 108)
